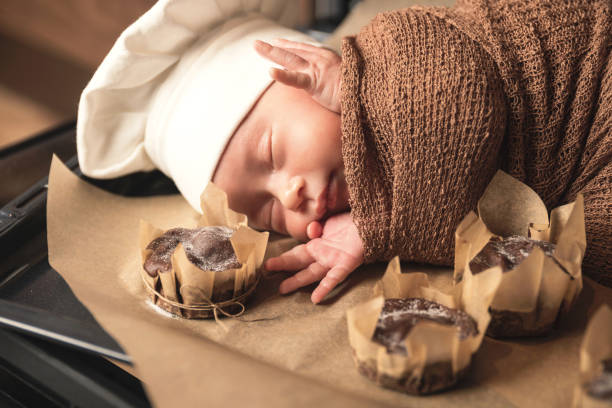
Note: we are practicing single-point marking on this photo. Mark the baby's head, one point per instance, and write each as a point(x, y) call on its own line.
point(283, 165)
point(183, 91)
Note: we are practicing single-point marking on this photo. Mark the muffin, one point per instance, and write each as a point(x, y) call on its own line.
point(397, 318)
point(508, 253)
point(540, 259)
point(207, 248)
point(415, 339)
point(206, 270)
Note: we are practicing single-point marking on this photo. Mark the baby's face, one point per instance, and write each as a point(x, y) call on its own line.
point(283, 166)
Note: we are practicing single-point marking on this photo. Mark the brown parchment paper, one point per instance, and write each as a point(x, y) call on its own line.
point(301, 355)
point(537, 289)
point(596, 347)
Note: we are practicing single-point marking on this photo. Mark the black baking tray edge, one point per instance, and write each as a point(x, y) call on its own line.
point(34, 298)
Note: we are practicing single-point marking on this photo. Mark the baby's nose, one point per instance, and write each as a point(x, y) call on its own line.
point(293, 195)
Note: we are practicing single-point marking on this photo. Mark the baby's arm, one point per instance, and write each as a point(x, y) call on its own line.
point(313, 69)
point(334, 251)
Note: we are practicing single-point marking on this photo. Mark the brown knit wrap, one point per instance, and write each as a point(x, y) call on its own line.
point(434, 100)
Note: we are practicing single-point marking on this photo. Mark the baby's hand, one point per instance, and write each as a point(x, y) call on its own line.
point(314, 69)
point(329, 258)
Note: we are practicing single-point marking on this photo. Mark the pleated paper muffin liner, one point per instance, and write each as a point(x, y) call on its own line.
point(436, 356)
point(531, 295)
point(188, 291)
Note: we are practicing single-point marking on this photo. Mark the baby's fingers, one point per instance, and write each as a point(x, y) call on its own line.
point(295, 259)
point(314, 230)
point(281, 56)
point(313, 273)
point(291, 78)
point(329, 282)
point(282, 42)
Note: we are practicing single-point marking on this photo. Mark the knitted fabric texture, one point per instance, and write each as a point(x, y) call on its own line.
point(435, 100)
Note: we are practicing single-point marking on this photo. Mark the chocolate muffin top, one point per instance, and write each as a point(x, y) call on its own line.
point(208, 248)
point(601, 387)
point(399, 316)
point(508, 252)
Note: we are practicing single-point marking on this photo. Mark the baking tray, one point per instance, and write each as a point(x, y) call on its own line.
point(34, 298)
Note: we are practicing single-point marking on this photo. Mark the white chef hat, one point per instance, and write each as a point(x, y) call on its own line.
point(174, 88)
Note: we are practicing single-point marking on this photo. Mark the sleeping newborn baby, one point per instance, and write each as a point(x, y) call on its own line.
point(283, 167)
point(379, 153)
point(183, 90)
